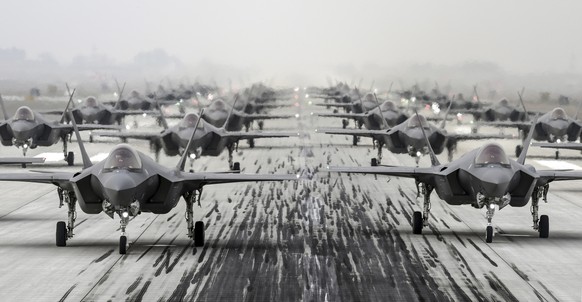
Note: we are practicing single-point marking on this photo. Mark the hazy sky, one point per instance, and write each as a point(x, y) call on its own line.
point(522, 36)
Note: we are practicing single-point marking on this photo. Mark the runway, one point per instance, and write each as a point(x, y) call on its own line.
point(326, 237)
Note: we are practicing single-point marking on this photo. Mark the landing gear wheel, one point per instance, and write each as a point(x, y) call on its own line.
point(518, 150)
point(417, 222)
point(544, 226)
point(91, 138)
point(557, 154)
point(199, 233)
point(374, 162)
point(70, 158)
point(355, 141)
point(23, 165)
point(251, 143)
point(489, 234)
point(122, 245)
point(261, 125)
point(61, 233)
point(345, 123)
point(236, 166)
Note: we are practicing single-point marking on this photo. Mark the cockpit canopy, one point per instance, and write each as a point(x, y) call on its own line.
point(416, 121)
point(24, 113)
point(503, 102)
point(558, 114)
point(123, 157)
point(190, 120)
point(388, 106)
point(218, 104)
point(491, 154)
point(91, 102)
point(134, 94)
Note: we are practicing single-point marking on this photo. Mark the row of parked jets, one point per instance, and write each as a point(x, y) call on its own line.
point(128, 182)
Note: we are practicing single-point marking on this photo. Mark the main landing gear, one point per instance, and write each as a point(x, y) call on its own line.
point(542, 225)
point(420, 220)
point(235, 166)
point(195, 229)
point(69, 156)
point(377, 161)
point(65, 231)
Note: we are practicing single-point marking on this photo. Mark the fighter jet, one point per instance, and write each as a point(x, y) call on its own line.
point(407, 138)
point(372, 119)
point(484, 178)
point(208, 141)
point(28, 129)
point(553, 127)
point(128, 183)
point(219, 112)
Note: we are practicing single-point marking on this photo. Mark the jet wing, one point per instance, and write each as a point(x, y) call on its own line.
point(508, 124)
point(85, 127)
point(266, 116)
point(59, 179)
point(409, 172)
point(21, 160)
point(197, 180)
point(570, 146)
point(547, 176)
point(135, 112)
point(125, 134)
point(341, 105)
point(239, 135)
point(477, 136)
point(356, 132)
point(343, 115)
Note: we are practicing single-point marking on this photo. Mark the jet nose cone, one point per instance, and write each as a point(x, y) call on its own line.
point(22, 130)
point(120, 189)
point(558, 128)
point(495, 183)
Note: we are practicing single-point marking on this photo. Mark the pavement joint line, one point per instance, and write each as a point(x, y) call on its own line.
point(25, 204)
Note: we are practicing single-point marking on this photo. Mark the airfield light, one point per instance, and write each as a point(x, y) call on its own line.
point(127, 127)
point(297, 115)
point(296, 89)
point(115, 94)
point(310, 103)
point(558, 141)
point(307, 96)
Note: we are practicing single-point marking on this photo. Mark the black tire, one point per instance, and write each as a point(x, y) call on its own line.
point(236, 166)
point(90, 138)
point(355, 141)
point(557, 154)
point(61, 233)
point(251, 142)
point(70, 158)
point(544, 226)
point(199, 233)
point(261, 125)
point(489, 234)
point(345, 123)
point(122, 245)
point(23, 165)
point(518, 150)
point(417, 222)
point(374, 162)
